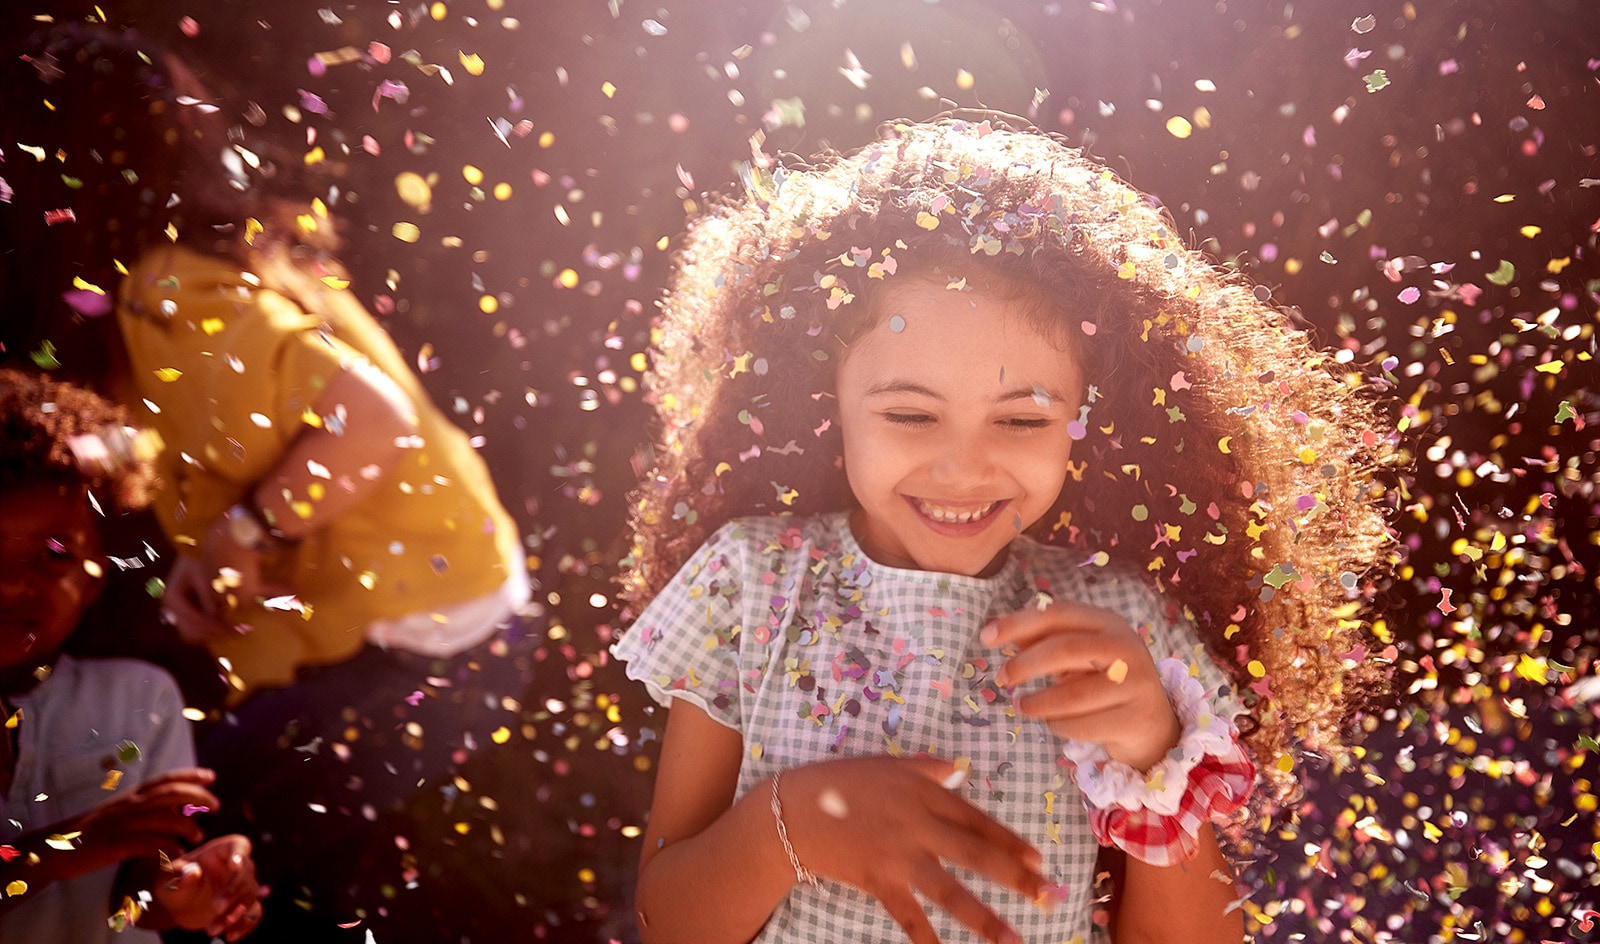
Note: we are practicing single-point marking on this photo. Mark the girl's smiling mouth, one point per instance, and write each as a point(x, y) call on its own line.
point(967, 517)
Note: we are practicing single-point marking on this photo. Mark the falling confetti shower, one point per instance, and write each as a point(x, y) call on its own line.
point(1418, 183)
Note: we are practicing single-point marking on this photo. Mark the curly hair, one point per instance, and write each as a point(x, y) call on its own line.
point(54, 431)
point(1224, 455)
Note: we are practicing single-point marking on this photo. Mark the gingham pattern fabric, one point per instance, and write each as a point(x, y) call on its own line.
point(784, 630)
point(1217, 786)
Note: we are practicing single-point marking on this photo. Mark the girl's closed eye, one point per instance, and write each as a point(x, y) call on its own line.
point(1026, 422)
point(908, 419)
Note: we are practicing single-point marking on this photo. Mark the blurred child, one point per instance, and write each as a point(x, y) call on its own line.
point(1001, 494)
point(341, 547)
point(97, 779)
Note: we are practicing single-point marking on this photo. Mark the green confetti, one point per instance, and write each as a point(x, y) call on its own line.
point(1504, 274)
point(45, 357)
point(1565, 412)
point(1379, 79)
point(127, 752)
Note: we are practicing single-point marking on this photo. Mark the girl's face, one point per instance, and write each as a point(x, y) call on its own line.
point(954, 412)
point(48, 542)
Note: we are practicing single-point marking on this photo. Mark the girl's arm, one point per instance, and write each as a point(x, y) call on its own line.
point(323, 473)
point(1183, 902)
point(713, 870)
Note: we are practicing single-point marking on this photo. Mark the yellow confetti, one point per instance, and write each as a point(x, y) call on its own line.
point(568, 278)
point(964, 80)
point(212, 326)
point(927, 220)
point(473, 63)
point(501, 735)
point(1534, 670)
point(168, 374)
point(335, 283)
point(62, 841)
point(1118, 672)
point(1179, 127)
point(608, 90)
point(1256, 669)
point(406, 232)
point(414, 190)
point(18, 887)
point(472, 175)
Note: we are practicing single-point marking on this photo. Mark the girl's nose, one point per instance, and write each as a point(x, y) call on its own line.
point(964, 460)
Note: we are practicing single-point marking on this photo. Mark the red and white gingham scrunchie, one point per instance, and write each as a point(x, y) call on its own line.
point(1155, 816)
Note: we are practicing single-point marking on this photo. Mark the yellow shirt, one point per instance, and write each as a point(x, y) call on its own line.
point(232, 364)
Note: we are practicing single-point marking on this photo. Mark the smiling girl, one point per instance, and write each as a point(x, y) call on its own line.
point(983, 494)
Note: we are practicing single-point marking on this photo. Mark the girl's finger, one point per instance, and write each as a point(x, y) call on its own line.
point(976, 853)
point(907, 912)
point(949, 895)
point(178, 795)
point(958, 813)
point(1075, 696)
point(1026, 625)
point(240, 890)
point(1067, 652)
point(943, 772)
point(200, 775)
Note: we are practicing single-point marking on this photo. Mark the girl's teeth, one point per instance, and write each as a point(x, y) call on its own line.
point(954, 515)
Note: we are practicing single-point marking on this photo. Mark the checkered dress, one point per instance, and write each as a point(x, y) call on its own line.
point(784, 630)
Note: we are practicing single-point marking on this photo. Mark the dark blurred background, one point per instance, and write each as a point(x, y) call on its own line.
point(1418, 181)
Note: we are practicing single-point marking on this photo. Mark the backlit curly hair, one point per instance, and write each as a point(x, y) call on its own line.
point(59, 432)
point(1224, 455)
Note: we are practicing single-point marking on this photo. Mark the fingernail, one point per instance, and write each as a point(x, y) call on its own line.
point(955, 779)
point(989, 634)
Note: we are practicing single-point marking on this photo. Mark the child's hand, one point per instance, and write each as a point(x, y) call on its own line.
point(1105, 686)
point(190, 603)
point(154, 818)
point(212, 889)
point(888, 825)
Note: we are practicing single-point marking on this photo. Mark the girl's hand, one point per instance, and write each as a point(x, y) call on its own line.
point(190, 603)
point(212, 889)
point(888, 825)
point(1105, 688)
point(154, 818)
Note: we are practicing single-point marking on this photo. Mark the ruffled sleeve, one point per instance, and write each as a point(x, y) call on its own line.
point(686, 642)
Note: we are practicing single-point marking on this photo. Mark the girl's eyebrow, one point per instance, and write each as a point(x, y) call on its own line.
point(901, 386)
point(1034, 393)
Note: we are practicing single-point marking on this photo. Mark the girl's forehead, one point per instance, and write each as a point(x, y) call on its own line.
point(957, 335)
point(933, 306)
point(44, 506)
